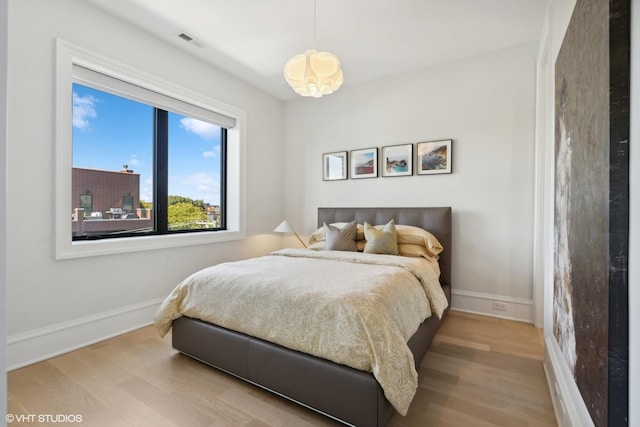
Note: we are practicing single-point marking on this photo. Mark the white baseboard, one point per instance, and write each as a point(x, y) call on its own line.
point(568, 404)
point(34, 346)
point(492, 305)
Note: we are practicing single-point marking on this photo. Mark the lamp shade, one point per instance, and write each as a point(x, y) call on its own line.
point(314, 73)
point(284, 227)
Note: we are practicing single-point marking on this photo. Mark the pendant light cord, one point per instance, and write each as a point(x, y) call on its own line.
point(315, 23)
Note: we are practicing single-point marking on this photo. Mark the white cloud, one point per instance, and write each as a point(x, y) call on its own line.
point(203, 181)
point(212, 153)
point(201, 185)
point(133, 161)
point(204, 130)
point(83, 110)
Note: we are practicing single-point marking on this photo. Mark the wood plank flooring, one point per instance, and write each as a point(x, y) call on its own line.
point(480, 371)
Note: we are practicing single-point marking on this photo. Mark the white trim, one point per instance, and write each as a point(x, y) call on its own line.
point(68, 55)
point(568, 404)
point(482, 303)
point(4, 108)
point(544, 97)
point(36, 345)
point(88, 76)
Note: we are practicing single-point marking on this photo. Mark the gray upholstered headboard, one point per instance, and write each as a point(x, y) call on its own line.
point(437, 221)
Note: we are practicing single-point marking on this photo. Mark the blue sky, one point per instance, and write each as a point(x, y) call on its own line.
point(110, 131)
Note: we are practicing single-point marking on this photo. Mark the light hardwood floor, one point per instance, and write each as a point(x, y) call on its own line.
point(480, 371)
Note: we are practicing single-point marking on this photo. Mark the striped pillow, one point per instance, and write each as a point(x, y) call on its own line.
point(337, 239)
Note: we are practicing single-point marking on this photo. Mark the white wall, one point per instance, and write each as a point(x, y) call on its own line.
point(58, 305)
point(3, 192)
point(486, 104)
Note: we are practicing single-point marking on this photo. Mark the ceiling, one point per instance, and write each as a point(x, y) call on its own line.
point(253, 39)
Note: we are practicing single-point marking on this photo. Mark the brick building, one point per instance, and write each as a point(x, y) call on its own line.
point(105, 192)
point(106, 201)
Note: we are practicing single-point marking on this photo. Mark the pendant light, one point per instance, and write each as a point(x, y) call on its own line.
point(314, 73)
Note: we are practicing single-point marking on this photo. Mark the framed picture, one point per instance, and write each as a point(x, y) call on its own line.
point(334, 166)
point(364, 163)
point(434, 157)
point(397, 160)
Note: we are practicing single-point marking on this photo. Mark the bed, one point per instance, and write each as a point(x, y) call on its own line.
point(323, 382)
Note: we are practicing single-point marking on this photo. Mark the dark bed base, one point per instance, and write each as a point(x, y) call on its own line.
point(348, 395)
point(351, 396)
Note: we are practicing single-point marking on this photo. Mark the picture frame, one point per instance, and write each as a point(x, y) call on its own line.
point(334, 166)
point(434, 157)
point(397, 160)
point(364, 163)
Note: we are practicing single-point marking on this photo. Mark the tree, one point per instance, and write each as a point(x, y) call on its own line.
point(184, 215)
point(174, 200)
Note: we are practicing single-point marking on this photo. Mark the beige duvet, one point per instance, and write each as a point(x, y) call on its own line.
point(351, 308)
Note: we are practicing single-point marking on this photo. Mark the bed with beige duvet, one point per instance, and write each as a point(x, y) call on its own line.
point(339, 329)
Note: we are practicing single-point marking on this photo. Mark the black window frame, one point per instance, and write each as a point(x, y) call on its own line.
point(160, 211)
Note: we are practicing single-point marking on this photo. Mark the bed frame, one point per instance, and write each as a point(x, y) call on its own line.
point(348, 395)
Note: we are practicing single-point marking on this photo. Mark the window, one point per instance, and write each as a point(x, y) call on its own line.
point(127, 204)
point(85, 202)
point(140, 157)
point(168, 163)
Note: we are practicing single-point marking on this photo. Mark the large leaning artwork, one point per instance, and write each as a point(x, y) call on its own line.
point(585, 292)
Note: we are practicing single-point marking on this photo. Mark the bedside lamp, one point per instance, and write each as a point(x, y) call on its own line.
point(285, 227)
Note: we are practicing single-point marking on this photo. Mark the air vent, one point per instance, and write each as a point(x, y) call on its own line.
point(186, 37)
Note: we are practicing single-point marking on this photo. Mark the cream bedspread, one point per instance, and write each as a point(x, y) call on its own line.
point(351, 308)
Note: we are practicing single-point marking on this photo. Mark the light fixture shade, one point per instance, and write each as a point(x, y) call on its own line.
point(284, 227)
point(314, 73)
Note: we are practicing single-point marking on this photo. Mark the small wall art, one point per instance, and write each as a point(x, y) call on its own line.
point(434, 157)
point(364, 163)
point(397, 160)
point(334, 166)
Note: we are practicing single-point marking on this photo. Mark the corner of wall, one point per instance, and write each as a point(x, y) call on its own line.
point(4, 6)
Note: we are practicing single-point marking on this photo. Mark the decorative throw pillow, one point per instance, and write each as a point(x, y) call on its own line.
point(316, 240)
point(383, 241)
point(337, 239)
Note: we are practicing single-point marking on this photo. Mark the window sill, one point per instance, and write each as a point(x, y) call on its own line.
point(80, 249)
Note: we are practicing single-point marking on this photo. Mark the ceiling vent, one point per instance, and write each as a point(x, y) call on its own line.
point(186, 37)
